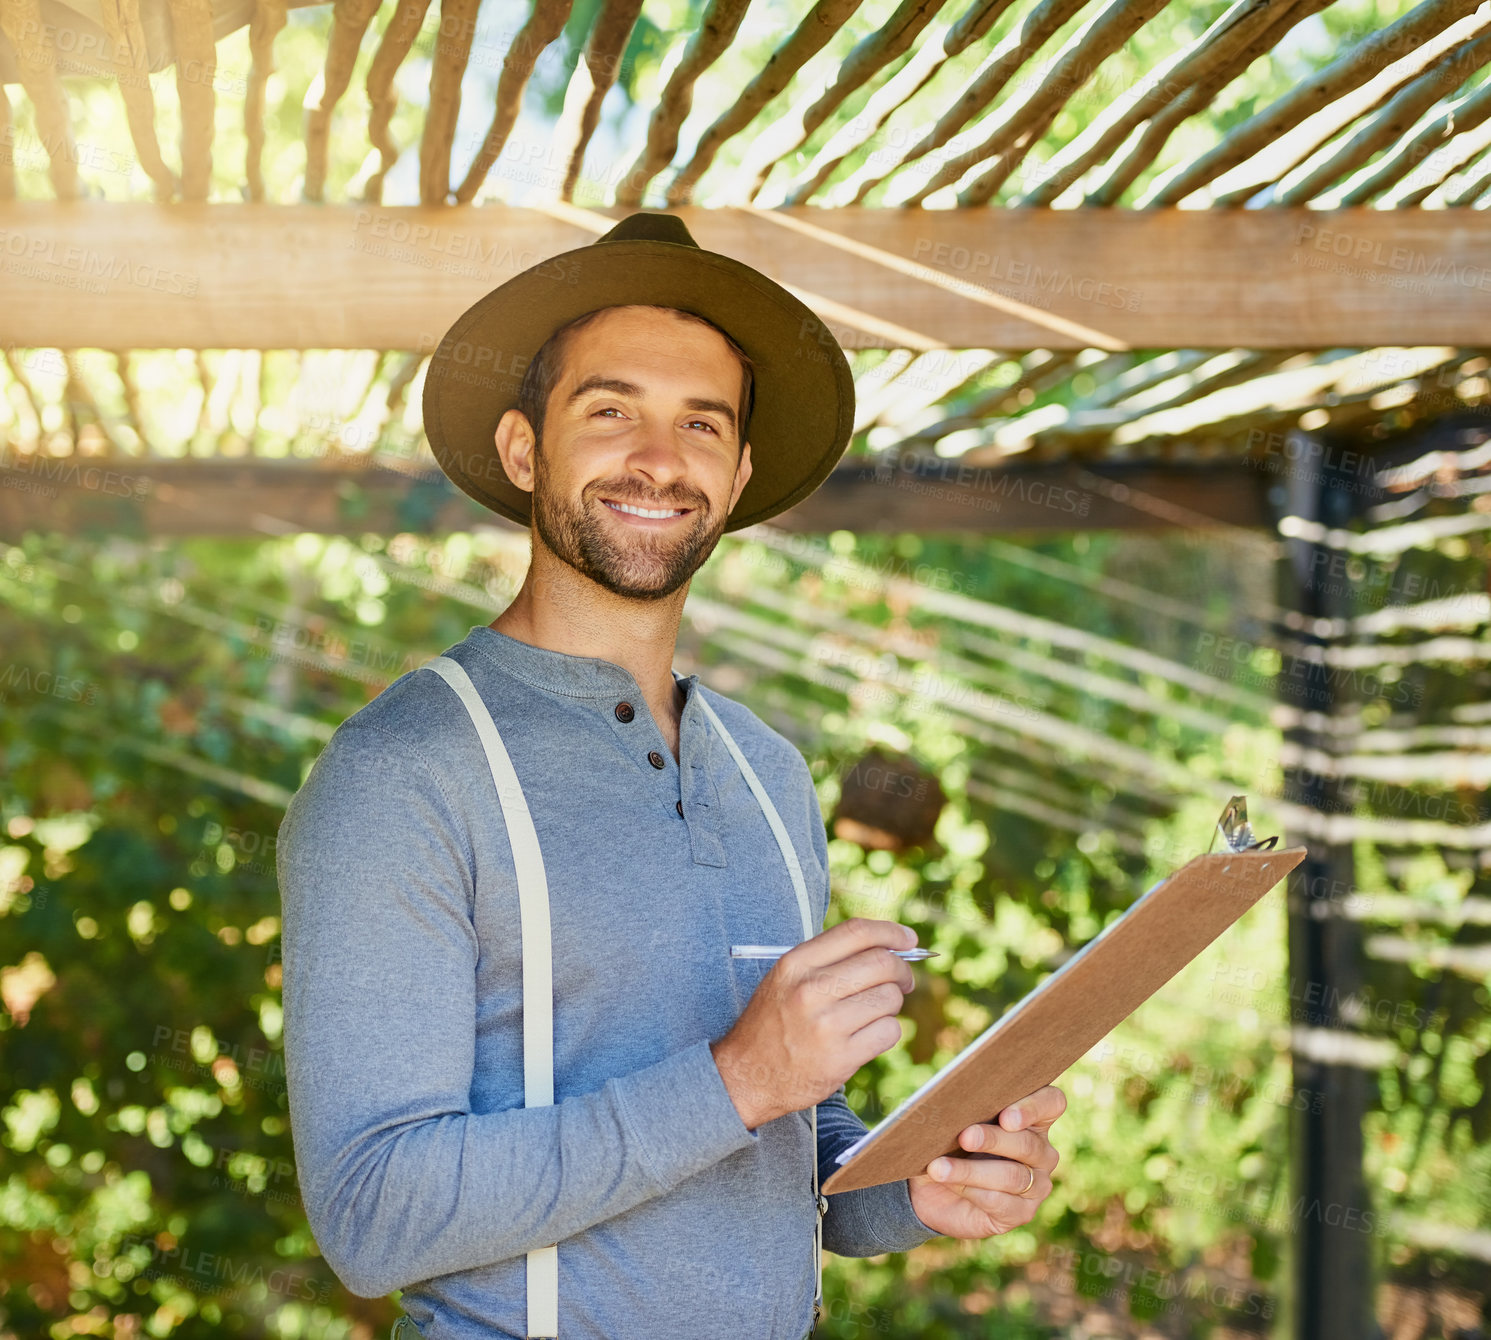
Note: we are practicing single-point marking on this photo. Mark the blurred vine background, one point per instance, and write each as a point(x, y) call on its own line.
point(162, 700)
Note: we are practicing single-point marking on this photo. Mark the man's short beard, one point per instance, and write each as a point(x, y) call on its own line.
point(649, 567)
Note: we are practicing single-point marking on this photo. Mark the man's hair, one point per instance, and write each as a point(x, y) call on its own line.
point(543, 372)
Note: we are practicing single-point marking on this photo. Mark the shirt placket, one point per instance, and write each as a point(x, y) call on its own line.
point(642, 742)
point(701, 801)
point(682, 785)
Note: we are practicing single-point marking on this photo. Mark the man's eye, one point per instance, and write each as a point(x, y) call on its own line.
point(706, 423)
point(607, 409)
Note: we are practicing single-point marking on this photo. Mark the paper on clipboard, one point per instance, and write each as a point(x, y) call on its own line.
point(1069, 1013)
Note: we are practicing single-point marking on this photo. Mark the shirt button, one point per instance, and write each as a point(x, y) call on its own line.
point(656, 759)
point(678, 805)
point(624, 712)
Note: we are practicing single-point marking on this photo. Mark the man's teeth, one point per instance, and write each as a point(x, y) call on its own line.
point(642, 511)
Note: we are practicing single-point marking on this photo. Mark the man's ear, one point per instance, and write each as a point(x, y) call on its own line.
point(742, 476)
point(515, 447)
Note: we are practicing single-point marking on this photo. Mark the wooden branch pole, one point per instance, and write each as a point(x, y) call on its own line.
point(21, 22)
point(1246, 48)
point(715, 33)
point(1201, 61)
point(107, 275)
point(1394, 119)
point(605, 50)
point(269, 19)
point(383, 100)
point(1072, 66)
point(1466, 114)
point(350, 19)
point(7, 163)
point(121, 20)
point(870, 55)
point(453, 41)
point(1477, 186)
point(196, 70)
point(1034, 31)
point(1351, 70)
point(811, 36)
point(544, 25)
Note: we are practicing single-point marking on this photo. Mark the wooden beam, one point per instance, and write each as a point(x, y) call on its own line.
point(222, 497)
point(1061, 496)
point(260, 497)
point(134, 275)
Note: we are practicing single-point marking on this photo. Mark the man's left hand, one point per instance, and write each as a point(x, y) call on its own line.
point(1003, 1184)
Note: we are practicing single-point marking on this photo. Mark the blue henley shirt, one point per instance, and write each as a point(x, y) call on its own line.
point(419, 1166)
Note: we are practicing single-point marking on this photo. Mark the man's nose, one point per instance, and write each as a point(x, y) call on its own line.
point(657, 453)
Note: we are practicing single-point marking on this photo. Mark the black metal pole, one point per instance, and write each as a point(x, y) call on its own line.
point(1330, 1212)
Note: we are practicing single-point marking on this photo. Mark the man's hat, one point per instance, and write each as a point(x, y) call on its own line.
point(804, 392)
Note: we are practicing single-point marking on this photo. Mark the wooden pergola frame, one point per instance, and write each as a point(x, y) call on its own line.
point(367, 277)
point(1198, 346)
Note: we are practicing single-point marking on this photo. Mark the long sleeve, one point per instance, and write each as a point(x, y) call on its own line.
point(873, 1219)
point(402, 1182)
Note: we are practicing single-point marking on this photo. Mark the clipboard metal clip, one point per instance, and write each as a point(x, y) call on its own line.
point(1235, 830)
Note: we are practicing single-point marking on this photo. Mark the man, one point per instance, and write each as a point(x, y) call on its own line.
point(642, 1132)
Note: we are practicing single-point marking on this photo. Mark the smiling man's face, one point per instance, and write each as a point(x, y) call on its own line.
point(641, 458)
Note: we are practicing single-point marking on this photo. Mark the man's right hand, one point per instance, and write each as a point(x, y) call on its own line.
point(827, 1007)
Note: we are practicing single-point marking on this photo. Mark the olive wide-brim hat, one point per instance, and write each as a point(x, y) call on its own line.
point(803, 415)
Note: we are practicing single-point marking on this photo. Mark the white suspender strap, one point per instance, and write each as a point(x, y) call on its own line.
point(778, 828)
point(538, 963)
point(799, 885)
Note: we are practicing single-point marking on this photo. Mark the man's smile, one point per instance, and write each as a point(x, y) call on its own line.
point(646, 515)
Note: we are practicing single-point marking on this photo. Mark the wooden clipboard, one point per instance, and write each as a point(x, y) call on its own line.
point(1068, 1014)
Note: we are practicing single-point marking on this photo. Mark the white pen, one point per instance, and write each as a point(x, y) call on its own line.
point(776, 951)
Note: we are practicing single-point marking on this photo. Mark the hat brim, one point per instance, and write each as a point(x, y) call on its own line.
point(803, 416)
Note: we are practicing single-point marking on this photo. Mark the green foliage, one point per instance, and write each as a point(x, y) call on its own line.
point(163, 699)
